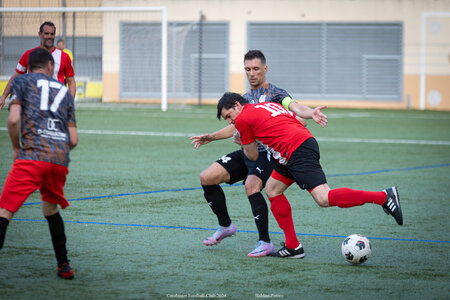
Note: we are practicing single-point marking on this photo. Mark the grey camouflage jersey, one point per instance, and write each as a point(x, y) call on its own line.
point(47, 111)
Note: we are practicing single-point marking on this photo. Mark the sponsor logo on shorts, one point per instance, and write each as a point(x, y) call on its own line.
point(225, 159)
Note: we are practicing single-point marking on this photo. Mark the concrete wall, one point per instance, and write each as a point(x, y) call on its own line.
point(239, 12)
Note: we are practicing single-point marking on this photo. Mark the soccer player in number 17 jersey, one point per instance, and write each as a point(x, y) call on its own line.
point(42, 112)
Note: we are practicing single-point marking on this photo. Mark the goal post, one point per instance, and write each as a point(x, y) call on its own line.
point(432, 30)
point(137, 10)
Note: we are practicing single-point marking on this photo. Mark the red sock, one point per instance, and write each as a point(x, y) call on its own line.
point(281, 210)
point(345, 197)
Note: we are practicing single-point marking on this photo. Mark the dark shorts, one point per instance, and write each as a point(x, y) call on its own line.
point(303, 167)
point(27, 176)
point(239, 166)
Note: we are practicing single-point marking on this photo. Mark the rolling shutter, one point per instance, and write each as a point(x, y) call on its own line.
point(361, 61)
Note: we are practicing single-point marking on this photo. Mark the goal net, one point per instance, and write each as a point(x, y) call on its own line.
point(116, 54)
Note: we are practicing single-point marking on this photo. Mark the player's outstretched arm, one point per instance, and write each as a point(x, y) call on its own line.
point(306, 112)
point(319, 117)
point(200, 140)
point(224, 133)
point(301, 120)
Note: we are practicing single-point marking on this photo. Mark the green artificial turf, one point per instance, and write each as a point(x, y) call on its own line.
point(138, 217)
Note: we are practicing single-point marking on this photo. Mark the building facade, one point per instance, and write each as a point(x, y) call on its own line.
point(387, 54)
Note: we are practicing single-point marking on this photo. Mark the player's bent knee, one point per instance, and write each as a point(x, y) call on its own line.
point(213, 176)
point(323, 204)
point(252, 190)
point(49, 209)
point(320, 195)
point(207, 179)
point(4, 213)
point(270, 192)
point(253, 185)
point(273, 191)
point(204, 178)
point(322, 201)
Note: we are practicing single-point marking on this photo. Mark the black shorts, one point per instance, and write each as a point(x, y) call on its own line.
point(239, 166)
point(303, 166)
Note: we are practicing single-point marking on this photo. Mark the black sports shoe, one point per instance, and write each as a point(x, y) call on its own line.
point(392, 204)
point(65, 271)
point(289, 253)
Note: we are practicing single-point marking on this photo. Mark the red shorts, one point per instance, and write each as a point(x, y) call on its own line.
point(283, 179)
point(27, 176)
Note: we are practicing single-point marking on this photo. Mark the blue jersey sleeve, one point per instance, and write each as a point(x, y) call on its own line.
point(277, 94)
point(16, 91)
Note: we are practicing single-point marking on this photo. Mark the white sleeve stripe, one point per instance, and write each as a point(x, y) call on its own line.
point(21, 68)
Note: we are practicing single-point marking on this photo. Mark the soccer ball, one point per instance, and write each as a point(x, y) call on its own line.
point(356, 249)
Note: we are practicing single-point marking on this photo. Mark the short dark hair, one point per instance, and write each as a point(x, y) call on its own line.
point(252, 54)
point(227, 101)
point(39, 58)
point(46, 23)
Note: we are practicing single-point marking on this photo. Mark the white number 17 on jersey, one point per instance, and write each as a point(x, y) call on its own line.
point(45, 86)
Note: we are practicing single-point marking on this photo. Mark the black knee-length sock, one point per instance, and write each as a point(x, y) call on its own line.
point(215, 197)
point(3, 225)
point(56, 226)
point(261, 215)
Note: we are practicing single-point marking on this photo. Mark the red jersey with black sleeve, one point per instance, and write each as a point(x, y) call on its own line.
point(48, 110)
point(273, 127)
point(63, 64)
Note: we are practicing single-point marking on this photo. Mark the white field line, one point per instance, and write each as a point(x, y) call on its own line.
point(142, 133)
point(320, 139)
point(383, 141)
point(192, 113)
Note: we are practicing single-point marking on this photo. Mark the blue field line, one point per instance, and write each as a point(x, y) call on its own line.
point(127, 194)
point(240, 184)
point(243, 231)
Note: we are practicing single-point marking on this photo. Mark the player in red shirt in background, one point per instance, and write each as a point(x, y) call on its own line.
point(297, 152)
point(63, 63)
point(42, 113)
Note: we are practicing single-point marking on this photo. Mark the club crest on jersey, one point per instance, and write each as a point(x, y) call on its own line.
point(262, 98)
point(225, 159)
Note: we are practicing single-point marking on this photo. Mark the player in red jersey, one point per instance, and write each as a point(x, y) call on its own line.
point(42, 112)
point(235, 166)
point(297, 152)
point(63, 63)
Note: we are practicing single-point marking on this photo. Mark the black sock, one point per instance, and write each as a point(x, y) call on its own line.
point(215, 197)
point(261, 215)
point(3, 225)
point(56, 226)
